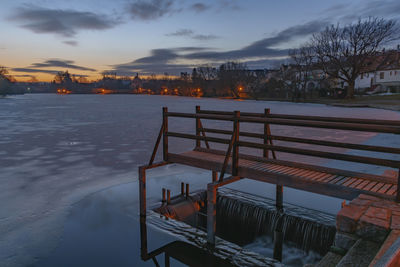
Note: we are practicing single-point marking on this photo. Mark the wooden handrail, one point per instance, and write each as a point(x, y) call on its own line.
point(382, 149)
point(302, 123)
point(195, 137)
point(327, 125)
point(322, 154)
point(306, 117)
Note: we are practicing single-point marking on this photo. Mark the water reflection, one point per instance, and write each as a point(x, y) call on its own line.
point(181, 251)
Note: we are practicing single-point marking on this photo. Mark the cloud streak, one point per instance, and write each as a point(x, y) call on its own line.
point(65, 23)
point(199, 7)
point(150, 10)
point(60, 63)
point(191, 34)
point(53, 66)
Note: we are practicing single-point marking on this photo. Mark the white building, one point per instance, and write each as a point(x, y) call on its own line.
point(382, 75)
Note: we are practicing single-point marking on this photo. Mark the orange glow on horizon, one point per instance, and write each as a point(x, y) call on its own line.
point(44, 77)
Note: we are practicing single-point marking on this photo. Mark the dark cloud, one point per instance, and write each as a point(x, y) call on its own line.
point(150, 10)
point(191, 34)
point(388, 9)
point(190, 49)
point(227, 4)
point(23, 76)
point(61, 22)
point(51, 72)
point(181, 32)
point(71, 43)
point(200, 7)
point(291, 33)
point(381, 8)
point(60, 63)
point(204, 37)
point(30, 70)
point(158, 56)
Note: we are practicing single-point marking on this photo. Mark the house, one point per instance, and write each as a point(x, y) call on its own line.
point(381, 73)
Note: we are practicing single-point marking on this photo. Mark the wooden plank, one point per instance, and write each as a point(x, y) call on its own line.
point(377, 187)
point(378, 178)
point(287, 170)
point(361, 185)
point(356, 183)
point(392, 191)
point(369, 186)
point(326, 175)
point(340, 182)
point(296, 172)
point(306, 185)
point(384, 188)
point(349, 181)
point(316, 177)
point(328, 179)
point(308, 173)
point(313, 175)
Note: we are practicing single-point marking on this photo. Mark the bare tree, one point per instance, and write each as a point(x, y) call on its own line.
point(5, 84)
point(3, 71)
point(342, 51)
point(231, 76)
point(304, 60)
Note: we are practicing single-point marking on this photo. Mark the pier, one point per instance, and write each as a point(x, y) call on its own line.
point(231, 165)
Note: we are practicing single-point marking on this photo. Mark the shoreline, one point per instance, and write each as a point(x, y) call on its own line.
point(385, 102)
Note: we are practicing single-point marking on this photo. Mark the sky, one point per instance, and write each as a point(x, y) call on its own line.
point(87, 37)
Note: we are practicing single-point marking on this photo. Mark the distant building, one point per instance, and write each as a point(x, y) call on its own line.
point(381, 73)
point(136, 85)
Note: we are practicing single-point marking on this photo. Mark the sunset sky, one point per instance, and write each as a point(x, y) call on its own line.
point(87, 37)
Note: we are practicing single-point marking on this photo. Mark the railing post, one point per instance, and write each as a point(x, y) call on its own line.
point(267, 134)
point(142, 191)
point(265, 151)
point(398, 183)
point(165, 137)
point(235, 152)
point(211, 213)
point(198, 127)
point(279, 197)
point(214, 176)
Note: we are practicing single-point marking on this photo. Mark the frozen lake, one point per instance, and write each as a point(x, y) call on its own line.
point(57, 150)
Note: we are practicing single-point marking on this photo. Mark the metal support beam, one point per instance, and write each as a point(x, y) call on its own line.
point(165, 137)
point(198, 127)
point(398, 184)
point(142, 190)
point(212, 206)
point(167, 264)
point(211, 213)
point(214, 176)
point(279, 197)
point(235, 152)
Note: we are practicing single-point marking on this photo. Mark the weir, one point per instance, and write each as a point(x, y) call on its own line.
point(241, 218)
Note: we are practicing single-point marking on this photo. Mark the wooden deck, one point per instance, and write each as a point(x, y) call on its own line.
point(327, 181)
